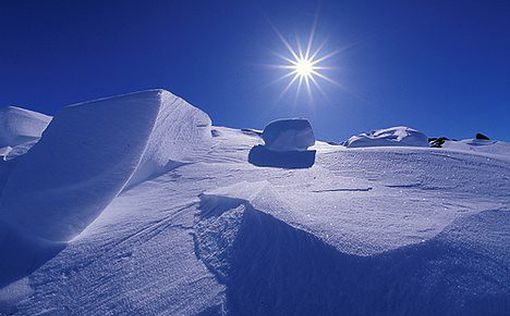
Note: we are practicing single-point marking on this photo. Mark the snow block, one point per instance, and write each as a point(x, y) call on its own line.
point(288, 135)
point(286, 143)
point(393, 136)
point(91, 152)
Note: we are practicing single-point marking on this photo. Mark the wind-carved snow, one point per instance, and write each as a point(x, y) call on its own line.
point(20, 129)
point(288, 135)
point(270, 267)
point(393, 136)
point(395, 231)
point(91, 152)
point(483, 146)
point(285, 145)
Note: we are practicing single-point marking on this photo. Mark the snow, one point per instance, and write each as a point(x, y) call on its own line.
point(393, 136)
point(13, 293)
point(91, 152)
point(285, 145)
point(4, 151)
point(491, 147)
point(288, 135)
point(20, 125)
point(20, 129)
point(378, 230)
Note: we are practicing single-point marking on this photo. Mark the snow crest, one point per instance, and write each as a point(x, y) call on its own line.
point(270, 267)
point(393, 136)
point(20, 129)
point(483, 146)
point(91, 152)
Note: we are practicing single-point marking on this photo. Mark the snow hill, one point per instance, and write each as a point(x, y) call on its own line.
point(137, 205)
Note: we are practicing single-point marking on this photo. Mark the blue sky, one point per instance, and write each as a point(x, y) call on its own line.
point(442, 67)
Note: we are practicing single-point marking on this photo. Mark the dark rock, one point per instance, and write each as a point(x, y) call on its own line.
point(437, 142)
point(251, 132)
point(481, 136)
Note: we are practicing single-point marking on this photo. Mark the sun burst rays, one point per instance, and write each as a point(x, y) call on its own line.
point(305, 65)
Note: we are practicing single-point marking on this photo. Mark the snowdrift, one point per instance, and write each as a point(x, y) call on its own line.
point(285, 145)
point(20, 127)
point(393, 136)
point(271, 267)
point(479, 146)
point(92, 151)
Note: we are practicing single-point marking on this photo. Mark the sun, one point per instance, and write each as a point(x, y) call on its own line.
point(303, 67)
point(304, 63)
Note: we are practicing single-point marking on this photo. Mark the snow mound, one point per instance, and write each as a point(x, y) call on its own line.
point(479, 145)
point(393, 136)
point(288, 135)
point(286, 143)
point(91, 152)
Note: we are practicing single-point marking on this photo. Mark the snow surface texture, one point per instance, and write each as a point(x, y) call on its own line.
point(285, 145)
point(393, 136)
point(20, 128)
point(94, 150)
point(491, 147)
point(372, 231)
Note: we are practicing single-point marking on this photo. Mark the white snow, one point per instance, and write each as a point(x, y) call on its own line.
point(288, 135)
point(20, 129)
point(380, 230)
point(285, 145)
point(19, 125)
point(4, 151)
point(393, 136)
point(91, 152)
point(492, 147)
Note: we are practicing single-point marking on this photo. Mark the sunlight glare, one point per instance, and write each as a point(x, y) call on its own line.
point(304, 63)
point(304, 67)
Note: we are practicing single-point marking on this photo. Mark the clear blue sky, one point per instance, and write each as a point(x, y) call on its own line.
point(442, 67)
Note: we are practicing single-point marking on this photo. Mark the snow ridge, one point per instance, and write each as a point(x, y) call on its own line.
point(272, 268)
point(91, 152)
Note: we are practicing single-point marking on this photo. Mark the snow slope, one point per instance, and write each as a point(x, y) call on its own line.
point(393, 136)
point(94, 150)
point(490, 147)
point(382, 230)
